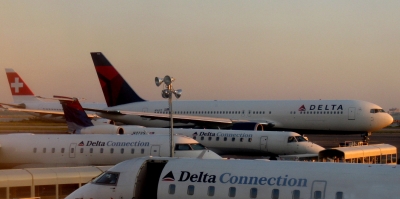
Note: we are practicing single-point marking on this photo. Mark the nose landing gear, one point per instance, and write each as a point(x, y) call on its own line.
point(365, 136)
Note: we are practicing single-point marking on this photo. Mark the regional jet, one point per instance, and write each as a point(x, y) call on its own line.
point(25, 150)
point(223, 142)
point(172, 178)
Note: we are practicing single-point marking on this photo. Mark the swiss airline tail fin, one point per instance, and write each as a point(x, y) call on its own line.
point(74, 114)
point(115, 89)
point(20, 91)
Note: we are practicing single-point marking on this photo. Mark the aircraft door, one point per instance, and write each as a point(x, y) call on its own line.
point(155, 150)
point(263, 143)
point(72, 149)
point(352, 113)
point(318, 189)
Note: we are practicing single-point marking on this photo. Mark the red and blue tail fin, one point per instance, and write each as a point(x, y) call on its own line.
point(115, 89)
point(74, 114)
point(20, 91)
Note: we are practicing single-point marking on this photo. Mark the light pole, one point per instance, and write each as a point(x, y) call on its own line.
point(167, 93)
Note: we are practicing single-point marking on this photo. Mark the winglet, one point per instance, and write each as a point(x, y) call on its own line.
point(115, 89)
point(74, 115)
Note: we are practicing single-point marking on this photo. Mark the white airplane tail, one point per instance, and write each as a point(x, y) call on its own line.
point(20, 91)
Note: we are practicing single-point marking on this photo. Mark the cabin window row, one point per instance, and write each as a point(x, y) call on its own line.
point(225, 139)
point(213, 112)
point(253, 192)
point(317, 112)
point(91, 150)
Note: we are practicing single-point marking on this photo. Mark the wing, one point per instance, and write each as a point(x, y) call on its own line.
point(43, 112)
point(198, 120)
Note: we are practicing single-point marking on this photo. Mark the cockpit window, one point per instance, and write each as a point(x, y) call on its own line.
point(291, 139)
point(377, 111)
point(198, 147)
point(108, 178)
point(181, 147)
point(301, 139)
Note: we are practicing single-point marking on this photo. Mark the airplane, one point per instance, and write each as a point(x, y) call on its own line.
point(171, 178)
point(26, 101)
point(26, 150)
point(301, 116)
point(223, 142)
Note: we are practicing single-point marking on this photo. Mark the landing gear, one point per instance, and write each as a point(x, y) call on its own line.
point(365, 137)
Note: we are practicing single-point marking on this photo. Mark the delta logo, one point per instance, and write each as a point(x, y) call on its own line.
point(169, 177)
point(194, 134)
point(81, 144)
point(333, 107)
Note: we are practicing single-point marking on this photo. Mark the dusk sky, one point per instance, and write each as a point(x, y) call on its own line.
point(216, 50)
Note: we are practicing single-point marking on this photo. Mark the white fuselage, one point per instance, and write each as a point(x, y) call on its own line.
point(54, 106)
point(309, 116)
point(234, 142)
point(168, 178)
point(30, 150)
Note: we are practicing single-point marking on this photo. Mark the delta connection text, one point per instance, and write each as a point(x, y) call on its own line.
point(112, 143)
point(229, 178)
point(219, 134)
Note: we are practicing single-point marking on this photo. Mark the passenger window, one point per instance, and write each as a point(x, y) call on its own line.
point(112, 150)
point(171, 189)
point(44, 150)
point(296, 194)
point(122, 151)
point(81, 150)
point(339, 195)
point(253, 193)
point(232, 192)
point(34, 150)
point(317, 194)
point(202, 138)
point(72, 150)
point(101, 150)
point(233, 139)
point(275, 193)
point(209, 138)
point(132, 151)
point(53, 150)
point(211, 191)
point(241, 139)
point(250, 139)
point(142, 151)
point(190, 190)
point(217, 138)
point(108, 178)
point(91, 150)
point(225, 138)
point(194, 137)
point(62, 150)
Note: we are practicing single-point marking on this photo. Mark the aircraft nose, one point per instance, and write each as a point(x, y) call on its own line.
point(388, 119)
point(211, 155)
point(314, 148)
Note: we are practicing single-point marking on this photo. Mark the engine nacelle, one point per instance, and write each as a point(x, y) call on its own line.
point(251, 126)
point(103, 129)
point(102, 121)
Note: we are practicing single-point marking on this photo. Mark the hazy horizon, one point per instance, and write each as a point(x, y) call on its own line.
point(216, 50)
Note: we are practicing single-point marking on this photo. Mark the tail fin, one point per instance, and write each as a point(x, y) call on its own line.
point(74, 115)
point(20, 91)
point(115, 89)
